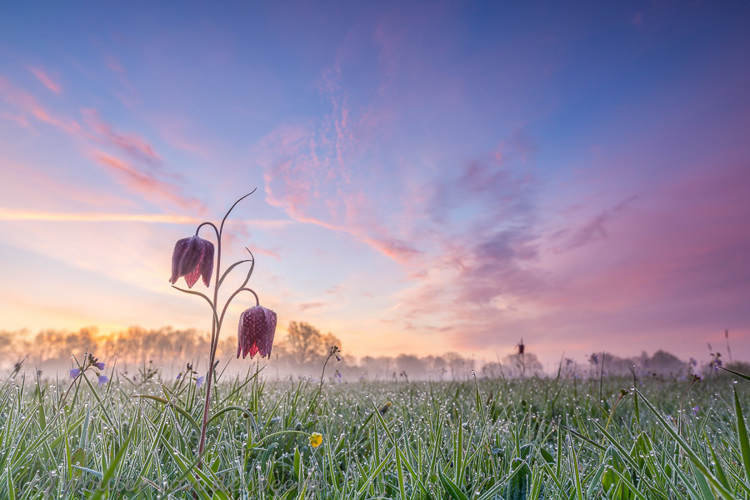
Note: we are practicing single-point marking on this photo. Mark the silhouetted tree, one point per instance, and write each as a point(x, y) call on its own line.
point(517, 364)
point(305, 343)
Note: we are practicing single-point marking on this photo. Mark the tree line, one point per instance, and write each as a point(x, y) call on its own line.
point(301, 352)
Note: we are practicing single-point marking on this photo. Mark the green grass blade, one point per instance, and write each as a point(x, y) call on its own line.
point(703, 486)
point(742, 435)
point(689, 451)
point(110, 472)
point(451, 488)
point(741, 375)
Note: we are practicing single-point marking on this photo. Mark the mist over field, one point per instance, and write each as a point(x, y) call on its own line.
point(302, 352)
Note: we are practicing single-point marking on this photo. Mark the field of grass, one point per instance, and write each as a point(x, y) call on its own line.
point(552, 438)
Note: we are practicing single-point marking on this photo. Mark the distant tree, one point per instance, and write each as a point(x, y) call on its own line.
point(411, 365)
point(492, 369)
point(305, 343)
point(517, 364)
point(459, 366)
point(664, 362)
point(438, 366)
point(8, 346)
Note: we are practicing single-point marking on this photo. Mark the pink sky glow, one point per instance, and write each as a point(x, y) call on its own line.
point(432, 176)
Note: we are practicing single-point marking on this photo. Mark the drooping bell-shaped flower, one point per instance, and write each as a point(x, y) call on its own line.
point(256, 330)
point(192, 257)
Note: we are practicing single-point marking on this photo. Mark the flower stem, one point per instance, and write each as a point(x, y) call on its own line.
point(215, 326)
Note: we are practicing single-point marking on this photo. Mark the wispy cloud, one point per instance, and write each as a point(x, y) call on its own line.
point(317, 170)
point(305, 306)
point(11, 214)
point(32, 215)
point(594, 229)
point(145, 183)
point(131, 144)
point(28, 105)
point(130, 96)
point(46, 80)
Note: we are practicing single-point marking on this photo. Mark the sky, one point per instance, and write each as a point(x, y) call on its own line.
point(431, 176)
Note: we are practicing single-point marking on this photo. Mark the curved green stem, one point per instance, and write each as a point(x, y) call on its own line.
point(229, 300)
point(221, 228)
point(235, 265)
point(216, 326)
point(207, 224)
point(199, 294)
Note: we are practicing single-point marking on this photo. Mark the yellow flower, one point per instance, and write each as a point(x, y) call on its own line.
point(316, 438)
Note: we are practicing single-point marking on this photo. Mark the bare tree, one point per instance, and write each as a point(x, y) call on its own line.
point(305, 343)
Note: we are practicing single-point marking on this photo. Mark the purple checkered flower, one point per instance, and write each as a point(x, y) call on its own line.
point(192, 258)
point(256, 330)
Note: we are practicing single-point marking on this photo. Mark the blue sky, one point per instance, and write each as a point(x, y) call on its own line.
point(431, 176)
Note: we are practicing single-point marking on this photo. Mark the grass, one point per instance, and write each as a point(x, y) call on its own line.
point(550, 438)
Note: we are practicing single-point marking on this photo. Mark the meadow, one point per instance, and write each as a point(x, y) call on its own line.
point(533, 438)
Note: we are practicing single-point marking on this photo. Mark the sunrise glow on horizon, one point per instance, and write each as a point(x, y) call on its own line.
point(431, 176)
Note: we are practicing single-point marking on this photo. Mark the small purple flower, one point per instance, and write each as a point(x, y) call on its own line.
point(100, 365)
point(199, 382)
point(192, 258)
point(75, 372)
point(103, 379)
point(179, 375)
point(256, 330)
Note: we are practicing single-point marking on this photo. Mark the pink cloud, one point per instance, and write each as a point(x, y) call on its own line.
point(397, 250)
point(310, 171)
point(21, 120)
point(310, 305)
point(315, 192)
point(28, 105)
point(40, 188)
point(130, 96)
point(674, 263)
point(132, 144)
point(175, 131)
point(145, 184)
point(46, 80)
point(35, 215)
point(592, 230)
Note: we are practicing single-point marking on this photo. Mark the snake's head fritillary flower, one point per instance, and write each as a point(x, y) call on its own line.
point(316, 439)
point(199, 382)
point(256, 330)
point(75, 372)
point(103, 380)
point(192, 258)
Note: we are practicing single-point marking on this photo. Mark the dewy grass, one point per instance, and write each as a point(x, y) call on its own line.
point(485, 438)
